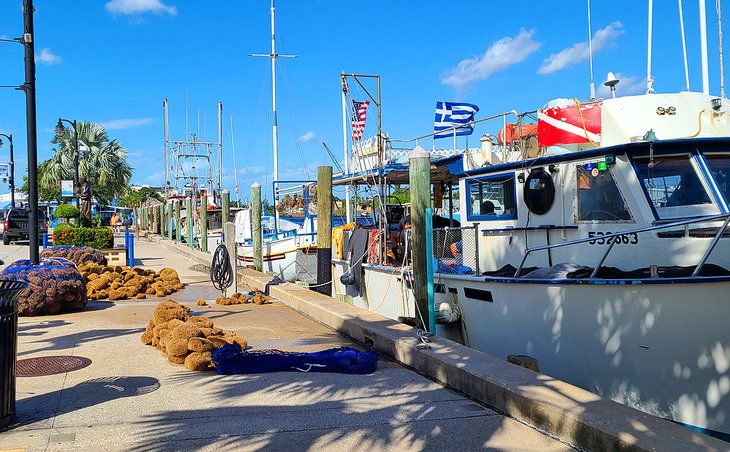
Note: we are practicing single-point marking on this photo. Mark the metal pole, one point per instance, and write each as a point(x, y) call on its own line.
point(324, 230)
point(30, 114)
point(204, 223)
point(343, 82)
point(11, 180)
point(77, 184)
point(429, 271)
point(256, 226)
point(220, 148)
point(165, 140)
point(703, 49)
point(420, 185)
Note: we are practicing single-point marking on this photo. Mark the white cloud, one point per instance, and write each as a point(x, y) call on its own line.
point(307, 137)
point(578, 52)
point(131, 7)
point(498, 57)
point(628, 85)
point(47, 57)
point(118, 124)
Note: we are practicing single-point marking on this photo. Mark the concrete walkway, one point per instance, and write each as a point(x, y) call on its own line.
point(130, 398)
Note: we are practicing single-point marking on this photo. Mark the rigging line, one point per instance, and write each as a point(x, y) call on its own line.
point(719, 31)
point(293, 120)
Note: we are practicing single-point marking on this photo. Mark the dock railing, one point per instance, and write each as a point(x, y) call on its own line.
point(456, 250)
point(611, 240)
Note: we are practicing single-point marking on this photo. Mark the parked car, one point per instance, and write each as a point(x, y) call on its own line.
point(15, 225)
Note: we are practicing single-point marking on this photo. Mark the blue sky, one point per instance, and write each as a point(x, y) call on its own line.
point(114, 62)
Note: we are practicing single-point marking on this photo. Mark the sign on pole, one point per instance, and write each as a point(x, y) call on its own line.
point(67, 189)
point(4, 170)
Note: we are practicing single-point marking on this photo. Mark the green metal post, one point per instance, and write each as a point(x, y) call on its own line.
point(256, 230)
point(419, 163)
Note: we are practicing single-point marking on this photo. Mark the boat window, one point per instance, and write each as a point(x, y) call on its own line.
point(539, 192)
point(720, 166)
point(673, 186)
point(599, 199)
point(492, 198)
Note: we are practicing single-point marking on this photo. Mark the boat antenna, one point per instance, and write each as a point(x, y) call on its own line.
point(649, 80)
point(719, 31)
point(274, 128)
point(332, 157)
point(703, 47)
point(684, 45)
point(590, 52)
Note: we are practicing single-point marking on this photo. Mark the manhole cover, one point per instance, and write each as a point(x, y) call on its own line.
point(50, 365)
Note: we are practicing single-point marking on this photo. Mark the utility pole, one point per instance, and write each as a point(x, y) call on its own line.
point(30, 115)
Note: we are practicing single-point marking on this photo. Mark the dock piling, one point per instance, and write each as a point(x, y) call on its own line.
point(178, 225)
point(256, 231)
point(229, 237)
point(204, 223)
point(324, 230)
point(189, 218)
point(169, 221)
point(419, 162)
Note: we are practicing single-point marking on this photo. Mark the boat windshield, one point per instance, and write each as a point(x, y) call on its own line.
point(674, 186)
point(719, 164)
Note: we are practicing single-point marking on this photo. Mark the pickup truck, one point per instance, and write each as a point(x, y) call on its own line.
point(15, 226)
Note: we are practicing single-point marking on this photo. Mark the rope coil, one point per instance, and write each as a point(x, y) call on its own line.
point(221, 274)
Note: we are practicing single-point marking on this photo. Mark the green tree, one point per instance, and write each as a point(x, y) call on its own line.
point(102, 161)
point(137, 197)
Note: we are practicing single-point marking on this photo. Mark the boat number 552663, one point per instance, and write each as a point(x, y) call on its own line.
point(626, 239)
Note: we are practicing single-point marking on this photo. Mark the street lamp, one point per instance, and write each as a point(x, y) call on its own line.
point(60, 131)
point(12, 168)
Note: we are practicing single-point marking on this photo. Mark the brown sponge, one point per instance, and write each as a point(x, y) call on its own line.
point(199, 344)
point(199, 361)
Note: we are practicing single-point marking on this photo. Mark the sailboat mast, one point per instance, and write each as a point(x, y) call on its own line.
point(274, 126)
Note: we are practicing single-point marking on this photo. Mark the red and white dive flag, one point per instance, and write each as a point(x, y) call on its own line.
point(358, 118)
point(569, 124)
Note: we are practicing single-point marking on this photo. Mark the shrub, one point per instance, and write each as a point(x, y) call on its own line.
point(65, 234)
point(66, 211)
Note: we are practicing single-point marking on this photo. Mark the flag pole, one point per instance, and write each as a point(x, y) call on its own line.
point(343, 82)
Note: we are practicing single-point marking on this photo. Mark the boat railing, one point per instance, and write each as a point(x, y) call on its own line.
point(456, 250)
point(618, 237)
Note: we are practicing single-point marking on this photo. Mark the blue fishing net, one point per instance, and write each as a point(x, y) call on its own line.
point(451, 267)
point(76, 254)
point(230, 359)
point(54, 285)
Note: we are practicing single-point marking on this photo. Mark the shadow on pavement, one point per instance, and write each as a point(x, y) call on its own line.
point(85, 394)
point(74, 339)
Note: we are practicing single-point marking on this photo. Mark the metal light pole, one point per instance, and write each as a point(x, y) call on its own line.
point(60, 131)
point(12, 168)
point(32, 140)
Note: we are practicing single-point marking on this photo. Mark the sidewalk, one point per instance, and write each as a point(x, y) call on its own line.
point(130, 398)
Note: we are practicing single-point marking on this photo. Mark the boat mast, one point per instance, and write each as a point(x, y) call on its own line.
point(649, 80)
point(590, 52)
point(274, 128)
point(703, 48)
point(684, 46)
point(719, 40)
point(343, 84)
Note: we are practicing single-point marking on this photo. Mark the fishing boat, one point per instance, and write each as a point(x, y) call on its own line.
point(592, 242)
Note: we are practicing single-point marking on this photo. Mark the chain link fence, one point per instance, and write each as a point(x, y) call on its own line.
point(456, 250)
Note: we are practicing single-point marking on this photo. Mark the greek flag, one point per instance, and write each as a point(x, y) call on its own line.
point(452, 114)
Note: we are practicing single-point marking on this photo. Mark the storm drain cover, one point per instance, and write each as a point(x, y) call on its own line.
point(49, 365)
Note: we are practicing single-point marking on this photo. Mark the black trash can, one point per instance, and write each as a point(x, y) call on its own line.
point(9, 291)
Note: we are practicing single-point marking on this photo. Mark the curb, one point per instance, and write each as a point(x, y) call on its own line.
point(572, 414)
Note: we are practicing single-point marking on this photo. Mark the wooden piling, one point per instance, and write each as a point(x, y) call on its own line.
point(204, 223)
point(225, 206)
point(419, 165)
point(163, 216)
point(155, 219)
point(256, 230)
point(169, 220)
point(324, 230)
point(229, 234)
point(189, 217)
point(178, 225)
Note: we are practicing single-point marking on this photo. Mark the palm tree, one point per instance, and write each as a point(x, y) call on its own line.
point(102, 162)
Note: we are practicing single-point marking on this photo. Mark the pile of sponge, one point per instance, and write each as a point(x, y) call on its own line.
point(239, 298)
point(186, 339)
point(120, 283)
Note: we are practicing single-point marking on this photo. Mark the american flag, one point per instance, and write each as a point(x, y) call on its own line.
point(358, 118)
